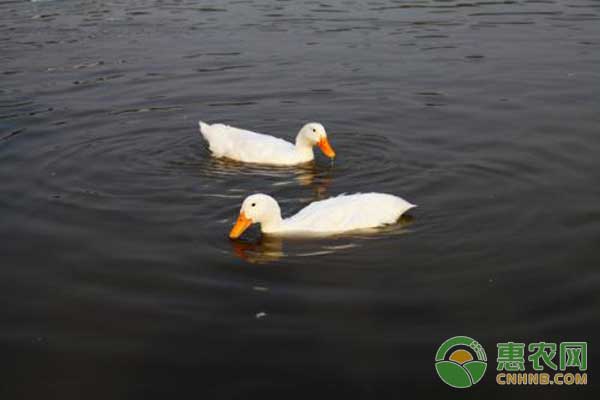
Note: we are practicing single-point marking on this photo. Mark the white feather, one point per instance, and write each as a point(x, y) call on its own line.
point(252, 147)
point(348, 212)
point(335, 215)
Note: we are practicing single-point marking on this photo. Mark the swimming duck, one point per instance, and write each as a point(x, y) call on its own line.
point(343, 213)
point(251, 147)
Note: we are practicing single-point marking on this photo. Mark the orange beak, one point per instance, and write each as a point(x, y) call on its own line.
point(240, 226)
point(326, 147)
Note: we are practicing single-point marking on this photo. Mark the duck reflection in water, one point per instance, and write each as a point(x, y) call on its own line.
point(264, 249)
point(310, 174)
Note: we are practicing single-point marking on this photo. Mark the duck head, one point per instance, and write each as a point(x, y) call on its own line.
point(257, 209)
point(313, 134)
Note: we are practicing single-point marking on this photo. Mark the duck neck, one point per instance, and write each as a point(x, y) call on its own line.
point(273, 222)
point(304, 147)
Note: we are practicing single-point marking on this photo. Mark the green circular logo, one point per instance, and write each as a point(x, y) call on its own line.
point(460, 362)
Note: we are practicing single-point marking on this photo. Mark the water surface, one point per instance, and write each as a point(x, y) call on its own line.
point(117, 279)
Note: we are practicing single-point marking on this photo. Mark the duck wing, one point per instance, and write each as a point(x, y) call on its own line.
point(243, 145)
point(349, 212)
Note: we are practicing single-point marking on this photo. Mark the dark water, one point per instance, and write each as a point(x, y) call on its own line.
point(117, 279)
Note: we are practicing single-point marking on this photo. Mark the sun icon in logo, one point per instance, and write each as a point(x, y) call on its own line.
point(460, 362)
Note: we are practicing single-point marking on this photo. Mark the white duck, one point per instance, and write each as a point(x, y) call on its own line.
point(326, 217)
point(246, 146)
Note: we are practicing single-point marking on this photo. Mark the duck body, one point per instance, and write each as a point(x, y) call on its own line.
point(346, 213)
point(332, 216)
point(252, 147)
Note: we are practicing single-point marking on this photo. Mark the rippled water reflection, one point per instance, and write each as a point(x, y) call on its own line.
point(117, 278)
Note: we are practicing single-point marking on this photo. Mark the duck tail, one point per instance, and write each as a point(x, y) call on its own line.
point(404, 206)
point(204, 128)
point(203, 125)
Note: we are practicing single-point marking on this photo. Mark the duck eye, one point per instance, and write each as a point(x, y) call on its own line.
point(253, 204)
point(314, 130)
